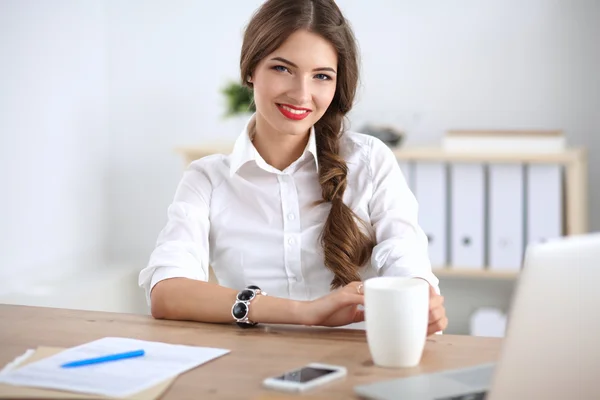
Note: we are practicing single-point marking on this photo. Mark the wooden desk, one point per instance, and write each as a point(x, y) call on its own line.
point(255, 353)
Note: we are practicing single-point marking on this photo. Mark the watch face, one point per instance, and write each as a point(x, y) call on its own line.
point(240, 310)
point(246, 295)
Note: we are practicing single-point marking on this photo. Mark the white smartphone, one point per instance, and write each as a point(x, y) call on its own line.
point(306, 377)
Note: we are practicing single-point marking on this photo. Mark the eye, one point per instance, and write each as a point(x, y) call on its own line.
point(280, 68)
point(323, 77)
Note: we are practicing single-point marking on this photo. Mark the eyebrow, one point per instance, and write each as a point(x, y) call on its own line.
point(288, 62)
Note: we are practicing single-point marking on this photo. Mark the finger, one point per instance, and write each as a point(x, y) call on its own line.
point(436, 314)
point(355, 287)
point(359, 316)
point(436, 301)
point(432, 291)
point(439, 321)
point(437, 326)
point(348, 299)
point(353, 284)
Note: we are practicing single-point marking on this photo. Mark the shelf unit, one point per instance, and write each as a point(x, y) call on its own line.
point(457, 272)
point(573, 160)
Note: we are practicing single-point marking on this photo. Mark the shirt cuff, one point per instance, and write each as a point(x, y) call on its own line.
point(162, 273)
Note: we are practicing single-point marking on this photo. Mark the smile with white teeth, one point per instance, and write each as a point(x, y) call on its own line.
point(293, 111)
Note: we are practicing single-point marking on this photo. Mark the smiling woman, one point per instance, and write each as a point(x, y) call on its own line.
point(302, 208)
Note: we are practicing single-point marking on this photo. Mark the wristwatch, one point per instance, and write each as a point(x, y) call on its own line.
point(241, 307)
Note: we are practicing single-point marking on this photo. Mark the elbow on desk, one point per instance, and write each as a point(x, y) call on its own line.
point(157, 313)
point(158, 302)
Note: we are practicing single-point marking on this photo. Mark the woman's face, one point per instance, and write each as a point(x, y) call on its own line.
point(294, 85)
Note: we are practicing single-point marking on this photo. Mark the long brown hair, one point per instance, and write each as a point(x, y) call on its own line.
point(346, 247)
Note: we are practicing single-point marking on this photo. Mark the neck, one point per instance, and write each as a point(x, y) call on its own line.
point(277, 148)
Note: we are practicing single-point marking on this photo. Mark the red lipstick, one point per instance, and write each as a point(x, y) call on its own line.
point(293, 112)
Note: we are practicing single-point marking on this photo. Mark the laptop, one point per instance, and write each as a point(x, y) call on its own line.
point(552, 344)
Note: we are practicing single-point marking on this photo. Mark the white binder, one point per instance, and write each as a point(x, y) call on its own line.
point(467, 218)
point(407, 171)
point(544, 202)
point(506, 216)
point(430, 188)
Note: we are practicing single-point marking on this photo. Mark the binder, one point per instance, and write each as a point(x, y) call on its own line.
point(506, 216)
point(430, 189)
point(467, 218)
point(544, 202)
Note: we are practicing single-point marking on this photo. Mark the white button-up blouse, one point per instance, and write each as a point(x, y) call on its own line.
point(257, 225)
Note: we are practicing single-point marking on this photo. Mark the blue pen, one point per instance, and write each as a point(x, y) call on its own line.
point(98, 360)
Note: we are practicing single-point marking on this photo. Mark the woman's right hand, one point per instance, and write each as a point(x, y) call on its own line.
point(337, 308)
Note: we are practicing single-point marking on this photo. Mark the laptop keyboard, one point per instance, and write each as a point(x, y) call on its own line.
point(470, 396)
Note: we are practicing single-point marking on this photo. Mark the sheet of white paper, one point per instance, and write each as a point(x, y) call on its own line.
point(118, 378)
point(14, 363)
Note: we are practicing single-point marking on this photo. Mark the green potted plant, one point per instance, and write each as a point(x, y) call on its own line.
point(239, 99)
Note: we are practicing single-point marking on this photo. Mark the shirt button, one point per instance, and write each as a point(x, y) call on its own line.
point(291, 241)
point(291, 216)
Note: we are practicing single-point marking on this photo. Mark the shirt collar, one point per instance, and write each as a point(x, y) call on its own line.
point(244, 150)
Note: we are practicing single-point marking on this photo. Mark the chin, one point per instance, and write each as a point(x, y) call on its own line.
point(294, 128)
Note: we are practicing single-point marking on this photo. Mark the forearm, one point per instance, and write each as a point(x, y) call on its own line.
point(191, 300)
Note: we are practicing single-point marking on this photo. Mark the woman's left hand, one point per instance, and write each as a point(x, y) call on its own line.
point(437, 313)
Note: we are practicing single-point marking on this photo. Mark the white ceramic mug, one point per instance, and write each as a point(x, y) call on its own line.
point(396, 318)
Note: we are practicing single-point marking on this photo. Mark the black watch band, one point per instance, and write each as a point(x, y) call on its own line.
point(241, 307)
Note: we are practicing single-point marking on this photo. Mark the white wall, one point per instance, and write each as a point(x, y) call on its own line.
point(168, 61)
point(53, 140)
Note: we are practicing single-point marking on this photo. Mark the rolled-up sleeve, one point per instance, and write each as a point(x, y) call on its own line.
point(401, 244)
point(182, 246)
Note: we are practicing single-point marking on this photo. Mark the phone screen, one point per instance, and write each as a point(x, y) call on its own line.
point(305, 374)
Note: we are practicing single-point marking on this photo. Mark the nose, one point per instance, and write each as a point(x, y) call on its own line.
point(300, 92)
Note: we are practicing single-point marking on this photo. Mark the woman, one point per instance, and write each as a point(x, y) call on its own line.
point(301, 208)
